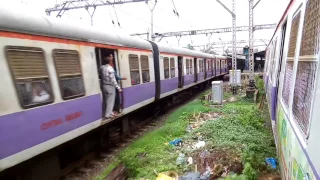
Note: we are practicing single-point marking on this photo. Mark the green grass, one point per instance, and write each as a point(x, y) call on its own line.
point(160, 156)
point(242, 127)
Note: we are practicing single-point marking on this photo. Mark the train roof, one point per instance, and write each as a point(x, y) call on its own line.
point(220, 57)
point(280, 21)
point(183, 51)
point(48, 26)
point(52, 27)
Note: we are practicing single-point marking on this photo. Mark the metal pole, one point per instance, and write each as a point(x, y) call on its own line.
point(178, 38)
point(234, 47)
point(251, 54)
point(251, 88)
point(151, 23)
point(152, 37)
point(234, 43)
point(256, 4)
point(91, 14)
point(208, 45)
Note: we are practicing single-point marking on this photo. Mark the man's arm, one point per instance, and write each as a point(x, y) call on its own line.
point(113, 79)
point(118, 78)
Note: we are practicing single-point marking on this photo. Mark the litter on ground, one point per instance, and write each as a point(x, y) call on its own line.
point(181, 159)
point(271, 162)
point(199, 145)
point(176, 142)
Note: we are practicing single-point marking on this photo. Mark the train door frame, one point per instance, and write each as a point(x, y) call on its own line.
point(180, 72)
point(205, 68)
point(219, 62)
point(214, 66)
point(195, 63)
point(100, 54)
point(211, 61)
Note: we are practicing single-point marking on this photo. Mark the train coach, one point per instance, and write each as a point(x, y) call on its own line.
point(292, 83)
point(50, 88)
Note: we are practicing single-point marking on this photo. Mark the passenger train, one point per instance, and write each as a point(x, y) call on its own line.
point(50, 89)
point(292, 83)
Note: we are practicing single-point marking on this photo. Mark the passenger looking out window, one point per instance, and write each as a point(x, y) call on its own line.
point(39, 95)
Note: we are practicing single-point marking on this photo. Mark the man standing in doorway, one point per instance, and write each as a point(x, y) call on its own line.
point(116, 108)
point(109, 86)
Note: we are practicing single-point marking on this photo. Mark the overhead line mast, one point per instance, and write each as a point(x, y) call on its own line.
point(250, 90)
point(234, 45)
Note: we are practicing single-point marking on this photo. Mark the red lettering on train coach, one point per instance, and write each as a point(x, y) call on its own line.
point(51, 124)
point(73, 116)
point(59, 121)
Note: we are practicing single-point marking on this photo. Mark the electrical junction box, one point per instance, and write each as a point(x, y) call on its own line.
point(217, 92)
point(237, 73)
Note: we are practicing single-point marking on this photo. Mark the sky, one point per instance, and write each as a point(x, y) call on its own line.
point(193, 15)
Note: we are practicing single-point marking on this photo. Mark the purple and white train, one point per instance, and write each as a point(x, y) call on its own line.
point(292, 83)
point(42, 55)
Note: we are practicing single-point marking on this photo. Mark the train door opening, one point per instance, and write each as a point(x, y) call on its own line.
point(101, 56)
point(214, 67)
point(283, 37)
point(195, 63)
point(205, 67)
point(211, 66)
point(180, 71)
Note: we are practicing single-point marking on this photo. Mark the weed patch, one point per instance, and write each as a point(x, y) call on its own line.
point(237, 142)
point(243, 127)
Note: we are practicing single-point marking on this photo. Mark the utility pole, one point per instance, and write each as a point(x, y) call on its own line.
point(209, 38)
point(234, 41)
point(234, 47)
point(251, 89)
point(151, 23)
point(178, 38)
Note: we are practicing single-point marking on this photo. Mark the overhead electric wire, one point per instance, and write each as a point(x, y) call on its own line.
point(111, 16)
point(116, 16)
point(140, 19)
point(175, 9)
point(181, 19)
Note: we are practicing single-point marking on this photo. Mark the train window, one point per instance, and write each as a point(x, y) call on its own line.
point(222, 64)
point(30, 74)
point(172, 68)
point(166, 67)
point(307, 67)
point(191, 66)
point(207, 64)
point(134, 69)
point(187, 67)
point(311, 34)
point(294, 35)
point(213, 65)
point(201, 65)
point(273, 60)
point(291, 54)
point(68, 68)
point(145, 68)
